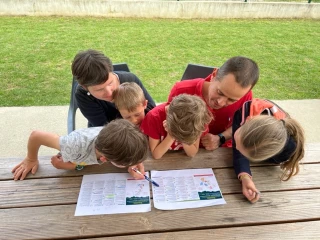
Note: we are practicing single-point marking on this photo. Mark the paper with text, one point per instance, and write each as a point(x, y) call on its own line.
point(112, 193)
point(190, 188)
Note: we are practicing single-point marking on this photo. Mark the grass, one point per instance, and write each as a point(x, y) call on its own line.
point(36, 53)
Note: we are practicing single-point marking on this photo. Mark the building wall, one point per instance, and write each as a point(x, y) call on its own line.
point(160, 9)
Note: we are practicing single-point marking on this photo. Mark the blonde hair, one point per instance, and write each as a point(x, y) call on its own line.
point(128, 96)
point(264, 136)
point(122, 142)
point(187, 118)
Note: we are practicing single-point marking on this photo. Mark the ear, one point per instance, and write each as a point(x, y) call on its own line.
point(145, 104)
point(166, 108)
point(213, 78)
point(214, 74)
point(103, 159)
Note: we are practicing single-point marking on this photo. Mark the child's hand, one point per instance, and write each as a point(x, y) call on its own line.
point(134, 174)
point(23, 168)
point(164, 123)
point(58, 163)
point(165, 128)
point(250, 190)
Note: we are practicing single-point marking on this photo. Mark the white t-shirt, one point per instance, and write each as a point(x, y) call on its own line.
point(78, 147)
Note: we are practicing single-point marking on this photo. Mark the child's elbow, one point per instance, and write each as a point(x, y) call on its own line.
point(191, 154)
point(156, 155)
point(35, 134)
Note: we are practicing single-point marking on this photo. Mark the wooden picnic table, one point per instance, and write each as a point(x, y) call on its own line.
point(43, 205)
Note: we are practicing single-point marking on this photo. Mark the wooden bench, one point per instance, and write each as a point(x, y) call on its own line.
point(43, 205)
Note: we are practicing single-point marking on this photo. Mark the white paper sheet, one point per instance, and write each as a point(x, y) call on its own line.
point(190, 188)
point(112, 193)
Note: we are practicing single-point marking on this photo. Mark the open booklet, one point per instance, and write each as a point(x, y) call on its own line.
point(190, 188)
point(112, 193)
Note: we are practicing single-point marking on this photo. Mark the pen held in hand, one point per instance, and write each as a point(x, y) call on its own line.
point(148, 179)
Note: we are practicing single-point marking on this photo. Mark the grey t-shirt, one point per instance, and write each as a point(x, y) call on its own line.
point(78, 147)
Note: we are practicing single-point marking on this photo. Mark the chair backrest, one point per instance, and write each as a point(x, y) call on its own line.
point(196, 71)
point(73, 106)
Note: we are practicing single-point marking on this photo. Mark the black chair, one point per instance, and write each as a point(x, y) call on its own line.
point(196, 71)
point(73, 106)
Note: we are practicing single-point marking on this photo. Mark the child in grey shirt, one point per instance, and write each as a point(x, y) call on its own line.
point(120, 142)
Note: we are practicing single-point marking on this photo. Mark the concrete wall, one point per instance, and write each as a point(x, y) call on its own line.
point(159, 9)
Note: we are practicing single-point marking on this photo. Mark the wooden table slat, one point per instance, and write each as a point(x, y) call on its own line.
point(55, 191)
point(220, 158)
point(59, 221)
point(43, 205)
point(286, 231)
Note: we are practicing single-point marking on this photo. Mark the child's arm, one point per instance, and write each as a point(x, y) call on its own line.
point(158, 148)
point(249, 189)
point(191, 150)
point(31, 163)
point(58, 163)
point(242, 168)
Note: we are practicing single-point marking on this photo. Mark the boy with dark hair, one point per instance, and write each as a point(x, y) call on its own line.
point(94, 73)
point(120, 143)
point(91, 68)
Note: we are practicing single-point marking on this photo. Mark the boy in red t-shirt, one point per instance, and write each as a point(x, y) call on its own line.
point(177, 125)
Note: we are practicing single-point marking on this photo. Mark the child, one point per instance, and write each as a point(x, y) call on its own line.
point(119, 142)
point(263, 131)
point(177, 125)
point(130, 102)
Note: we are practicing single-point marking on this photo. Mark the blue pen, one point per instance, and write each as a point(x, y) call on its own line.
point(150, 180)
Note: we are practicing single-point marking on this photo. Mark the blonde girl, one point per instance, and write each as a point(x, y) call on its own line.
point(263, 131)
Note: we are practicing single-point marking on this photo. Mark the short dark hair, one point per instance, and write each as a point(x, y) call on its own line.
point(245, 71)
point(91, 67)
point(121, 142)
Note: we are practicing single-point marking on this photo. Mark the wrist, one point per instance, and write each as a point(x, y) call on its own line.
point(32, 159)
point(244, 176)
point(78, 167)
point(170, 138)
point(222, 138)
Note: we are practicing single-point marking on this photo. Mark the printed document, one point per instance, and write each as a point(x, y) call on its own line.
point(112, 193)
point(190, 188)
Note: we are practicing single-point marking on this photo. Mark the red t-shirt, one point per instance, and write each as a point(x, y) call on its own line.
point(152, 125)
point(222, 117)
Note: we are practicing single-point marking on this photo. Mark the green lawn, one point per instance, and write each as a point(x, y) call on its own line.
point(36, 53)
